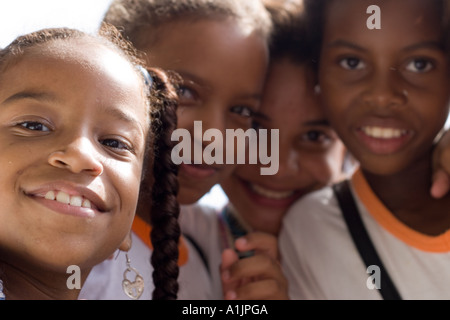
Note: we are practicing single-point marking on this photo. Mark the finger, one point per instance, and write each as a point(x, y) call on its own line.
point(229, 257)
point(255, 267)
point(259, 242)
point(441, 184)
point(268, 289)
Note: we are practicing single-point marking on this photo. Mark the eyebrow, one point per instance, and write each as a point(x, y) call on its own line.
point(421, 45)
point(121, 115)
point(344, 43)
point(50, 97)
point(424, 45)
point(187, 76)
point(321, 122)
point(39, 96)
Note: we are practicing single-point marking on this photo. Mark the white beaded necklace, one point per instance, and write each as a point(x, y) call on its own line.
point(2, 295)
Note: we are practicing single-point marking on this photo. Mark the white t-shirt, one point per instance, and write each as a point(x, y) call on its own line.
point(321, 261)
point(105, 280)
point(201, 223)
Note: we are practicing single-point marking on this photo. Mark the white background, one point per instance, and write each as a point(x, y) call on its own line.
point(18, 17)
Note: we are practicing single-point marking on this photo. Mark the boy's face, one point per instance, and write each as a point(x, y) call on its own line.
point(73, 123)
point(223, 71)
point(386, 91)
point(310, 154)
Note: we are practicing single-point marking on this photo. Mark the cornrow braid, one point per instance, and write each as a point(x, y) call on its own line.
point(165, 209)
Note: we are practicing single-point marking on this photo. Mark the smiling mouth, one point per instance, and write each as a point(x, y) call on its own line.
point(65, 198)
point(384, 133)
point(270, 194)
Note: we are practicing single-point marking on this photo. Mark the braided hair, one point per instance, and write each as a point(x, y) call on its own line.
point(165, 209)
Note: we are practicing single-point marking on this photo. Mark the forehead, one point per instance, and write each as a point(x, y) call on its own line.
point(78, 71)
point(395, 15)
point(289, 93)
point(73, 59)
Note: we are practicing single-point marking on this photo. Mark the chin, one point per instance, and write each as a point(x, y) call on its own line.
point(189, 196)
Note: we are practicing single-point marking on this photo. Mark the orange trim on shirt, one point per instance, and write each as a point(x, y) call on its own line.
point(437, 244)
point(142, 229)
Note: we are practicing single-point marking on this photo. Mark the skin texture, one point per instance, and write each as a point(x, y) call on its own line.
point(395, 78)
point(73, 119)
point(311, 156)
point(223, 69)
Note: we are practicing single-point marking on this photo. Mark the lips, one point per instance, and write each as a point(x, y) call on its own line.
point(69, 199)
point(62, 197)
point(197, 171)
point(383, 140)
point(269, 193)
point(272, 197)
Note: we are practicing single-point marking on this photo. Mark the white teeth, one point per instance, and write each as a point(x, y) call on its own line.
point(63, 197)
point(270, 193)
point(86, 203)
point(76, 201)
point(383, 133)
point(50, 195)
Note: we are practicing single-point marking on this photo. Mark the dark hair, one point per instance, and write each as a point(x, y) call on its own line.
point(165, 234)
point(315, 21)
point(140, 20)
point(162, 100)
point(289, 37)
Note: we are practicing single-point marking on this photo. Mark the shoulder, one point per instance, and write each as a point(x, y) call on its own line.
point(314, 218)
point(197, 217)
point(315, 206)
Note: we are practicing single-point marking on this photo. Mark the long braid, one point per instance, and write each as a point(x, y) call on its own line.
point(165, 233)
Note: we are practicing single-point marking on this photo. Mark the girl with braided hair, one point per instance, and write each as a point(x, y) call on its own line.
point(219, 51)
point(75, 129)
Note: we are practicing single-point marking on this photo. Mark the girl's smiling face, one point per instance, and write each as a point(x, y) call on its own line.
point(386, 91)
point(73, 125)
point(223, 69)
point(310, 154)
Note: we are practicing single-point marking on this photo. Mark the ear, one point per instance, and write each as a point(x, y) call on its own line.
point(126, 243)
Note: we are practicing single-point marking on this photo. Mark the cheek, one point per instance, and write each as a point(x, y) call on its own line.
point(326, 168)
point(126, 179)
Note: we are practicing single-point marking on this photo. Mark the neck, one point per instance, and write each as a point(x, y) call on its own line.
point(407, 195)
point(407, 187)
point(33, 284)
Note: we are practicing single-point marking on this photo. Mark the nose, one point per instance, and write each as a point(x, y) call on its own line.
point(78, 155)
point(386, 89)
point(213, 120)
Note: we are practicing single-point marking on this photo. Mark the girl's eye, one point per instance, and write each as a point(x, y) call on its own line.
point(115, 144)
point(315, 136)
point(243, 111)
point(419, 65)
point(34, 126)
point(184, 93)
point(352, 63)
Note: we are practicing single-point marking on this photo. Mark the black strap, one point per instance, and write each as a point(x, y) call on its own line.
point(362, 240)
point(198, 249)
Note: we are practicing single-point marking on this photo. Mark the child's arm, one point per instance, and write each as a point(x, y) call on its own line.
point(258, 277)
point(441, 167)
